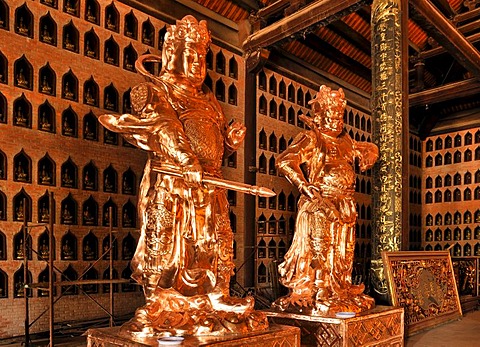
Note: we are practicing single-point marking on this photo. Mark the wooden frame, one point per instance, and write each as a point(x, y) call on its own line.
point(424, 284)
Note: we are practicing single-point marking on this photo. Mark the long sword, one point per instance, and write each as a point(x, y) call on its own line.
point(219, 182)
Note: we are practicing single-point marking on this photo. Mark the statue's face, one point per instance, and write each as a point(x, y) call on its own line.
point(194, 63)
point(331, 123)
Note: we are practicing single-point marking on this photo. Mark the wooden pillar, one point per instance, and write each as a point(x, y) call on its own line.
point(390, 133)
point(254, 62)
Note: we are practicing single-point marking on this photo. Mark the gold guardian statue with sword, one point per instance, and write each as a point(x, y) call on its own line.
point(184, 255)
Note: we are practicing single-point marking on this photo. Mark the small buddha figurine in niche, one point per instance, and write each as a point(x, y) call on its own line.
point(448, 235)
point(2, 291)
point(45, 123)
point(46, 88)
point(20, 174)
point(456, 235)
point(19, 211)
point(127, 221)
point(67, 216)
point(67, 129)
point(88, 182)
point(22, 27)
point(468, 219)
point(45, 177)
point(111, 25)
point(88, 252)
point(21, 79)
point(108, 183)
point(106, 250)
point(46, 36)
point(20, 118)
point(109, 137)
point(146, 37)
point(67, 251)
point(261, 252)
point(467, 252)
point(70, 7)
point(67, 93)
point(89, 50)
point(89, 99)
point(448, 220)
point(68, 44)
point(44, 214)
point(108, 57)
point(91, 17)
point(126, 186)
point(67, 180)
point(477, 251)
point(43, 250)
point(127, 251)
point(88, 218)
point(88, 133)
point(109, 105)
point(468, 234)
point(19, 288)
point(19, 251)
point(456, 252)
point(457, 220)
point(429, 236)
point(128, 63)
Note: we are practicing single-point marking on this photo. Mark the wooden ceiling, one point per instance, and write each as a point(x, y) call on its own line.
point(334, 36)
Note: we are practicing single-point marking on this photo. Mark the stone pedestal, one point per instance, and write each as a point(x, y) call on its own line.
point(382, 326)
point(276, 335)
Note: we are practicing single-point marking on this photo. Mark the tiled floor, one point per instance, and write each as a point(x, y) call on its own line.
point(462, 333)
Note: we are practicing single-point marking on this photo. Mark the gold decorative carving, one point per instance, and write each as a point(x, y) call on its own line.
point(381, 326)
point(184, 258)
point(318, 266)
point(424, 284)
point(387, 114)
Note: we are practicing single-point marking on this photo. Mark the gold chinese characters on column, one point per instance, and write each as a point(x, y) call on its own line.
point(318, 266)
point(184, 255)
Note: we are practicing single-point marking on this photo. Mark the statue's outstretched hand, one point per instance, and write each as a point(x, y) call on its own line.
point(236, 133)
point(367, 153)
point(192, 174)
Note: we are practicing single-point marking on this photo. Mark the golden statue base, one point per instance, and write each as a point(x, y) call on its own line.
point(276, 335)
point(381, 326)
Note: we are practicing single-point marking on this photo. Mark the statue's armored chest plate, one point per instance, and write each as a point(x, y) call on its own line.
point(202, 125)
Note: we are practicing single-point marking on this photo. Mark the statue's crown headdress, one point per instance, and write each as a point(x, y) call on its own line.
point(188, 29)
point(331, 101)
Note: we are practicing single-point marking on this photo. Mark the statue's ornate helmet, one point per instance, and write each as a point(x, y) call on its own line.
point(328, 102)
point(188, 29)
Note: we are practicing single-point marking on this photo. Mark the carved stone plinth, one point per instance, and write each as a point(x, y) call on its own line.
point(276, 335)
point(381, 326)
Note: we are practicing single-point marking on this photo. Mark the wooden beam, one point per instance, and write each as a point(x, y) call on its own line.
point(353, 37)
point(249, 5)
point(446, 92)
point(445, 33)
point(320, 12)
point(323, 48)
point(439, 50)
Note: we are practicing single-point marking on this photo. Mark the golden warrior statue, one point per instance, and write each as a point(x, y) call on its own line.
point(184, 255)
point(318, 266)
